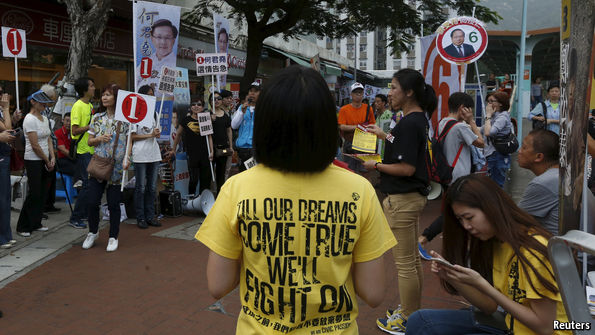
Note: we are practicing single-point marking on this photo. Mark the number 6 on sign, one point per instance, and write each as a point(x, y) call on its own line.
point(135, 108)
point(14, 42)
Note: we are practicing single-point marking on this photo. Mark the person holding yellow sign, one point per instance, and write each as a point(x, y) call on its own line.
point(350, 116)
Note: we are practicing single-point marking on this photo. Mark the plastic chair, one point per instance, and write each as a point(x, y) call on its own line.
point(67, 186)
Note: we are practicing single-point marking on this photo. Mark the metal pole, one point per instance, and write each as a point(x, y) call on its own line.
point(16, 85)
point(520, 105)
point(355, 47)
point(478, 84)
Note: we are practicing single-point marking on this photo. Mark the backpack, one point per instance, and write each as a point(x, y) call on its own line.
point(439, 169)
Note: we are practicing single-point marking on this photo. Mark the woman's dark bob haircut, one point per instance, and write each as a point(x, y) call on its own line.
point(295, 122)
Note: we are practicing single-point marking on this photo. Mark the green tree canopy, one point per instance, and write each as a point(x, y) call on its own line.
point(335, 19)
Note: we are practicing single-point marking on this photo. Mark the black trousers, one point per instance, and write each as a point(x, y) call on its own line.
point(38, 182)
point(220, 165)
point(200, 171)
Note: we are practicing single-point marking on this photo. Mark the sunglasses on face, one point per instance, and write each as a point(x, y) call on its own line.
point(218, 98)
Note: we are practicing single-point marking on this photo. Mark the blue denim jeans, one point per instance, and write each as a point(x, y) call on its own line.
point(114, 196)
point(144, 192)
point(447, 322)
point(80, 207)
point(498, 165)
point(5, 231)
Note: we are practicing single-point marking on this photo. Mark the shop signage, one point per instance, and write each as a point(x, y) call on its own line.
point(51, 27)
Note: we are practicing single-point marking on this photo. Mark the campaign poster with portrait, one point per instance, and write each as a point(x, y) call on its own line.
point(221, 31)
point(461, 40)
point(156, 29)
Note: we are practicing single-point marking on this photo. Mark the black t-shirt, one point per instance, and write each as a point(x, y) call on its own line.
point(408, 146)
point(194, 144)
point(220, 126)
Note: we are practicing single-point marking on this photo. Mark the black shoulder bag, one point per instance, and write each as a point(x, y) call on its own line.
point(541, 124)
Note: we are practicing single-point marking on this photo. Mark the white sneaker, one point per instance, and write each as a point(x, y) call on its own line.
point(90, 240)
point(112, 244)
point(24, 234)
point(42, 228)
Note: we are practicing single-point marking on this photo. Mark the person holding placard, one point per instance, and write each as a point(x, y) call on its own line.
point(196, 149)
point(350, 116)
point(81, 113)
point(146, 156)
point(39, 163)
point(109, 138)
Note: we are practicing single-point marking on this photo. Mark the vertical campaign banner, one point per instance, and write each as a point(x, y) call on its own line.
point(181, 101)
point(156, 29)
point(445, 78)
point(221, 31)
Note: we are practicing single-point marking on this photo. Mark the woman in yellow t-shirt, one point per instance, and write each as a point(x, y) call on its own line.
point(299, 235)
point(509, 267)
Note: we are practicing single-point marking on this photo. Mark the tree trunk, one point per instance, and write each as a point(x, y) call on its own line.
point(253, 50)
point(576, 48)
point(87, 27)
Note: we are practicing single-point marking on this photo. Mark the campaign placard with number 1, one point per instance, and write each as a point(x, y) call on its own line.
point(14, 42)
point(135, 108)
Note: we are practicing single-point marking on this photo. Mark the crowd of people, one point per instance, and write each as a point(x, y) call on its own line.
point(86, 136)
point(304, 231)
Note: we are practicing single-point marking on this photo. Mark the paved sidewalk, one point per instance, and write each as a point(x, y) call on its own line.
point(153, 284)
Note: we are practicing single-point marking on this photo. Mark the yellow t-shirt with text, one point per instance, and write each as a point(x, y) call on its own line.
point(505, 268)
point(297, 236)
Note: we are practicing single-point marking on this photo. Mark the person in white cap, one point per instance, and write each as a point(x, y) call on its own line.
point(350, 116)
point(243, 120)
point(39, 163)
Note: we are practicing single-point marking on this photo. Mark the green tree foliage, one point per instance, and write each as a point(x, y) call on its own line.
point(335, 19)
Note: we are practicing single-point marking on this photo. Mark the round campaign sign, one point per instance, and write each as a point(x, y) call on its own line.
point(461, 40)
point(134, 108)
point(146, 67)
point(14, 41)
point(200, 59)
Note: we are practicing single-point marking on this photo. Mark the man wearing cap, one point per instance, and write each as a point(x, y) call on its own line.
point(243, 120)
point(349, 117)
point(163, 38)
point(80, 114)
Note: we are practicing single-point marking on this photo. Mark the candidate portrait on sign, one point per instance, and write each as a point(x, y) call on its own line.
point(222, 39)
point(458, 48)
point(163, 39)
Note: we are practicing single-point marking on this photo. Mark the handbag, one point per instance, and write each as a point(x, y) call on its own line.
point(541, 124)
point(222, 151)
point(101, 168)
point(73, 147)
point(506, 144)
